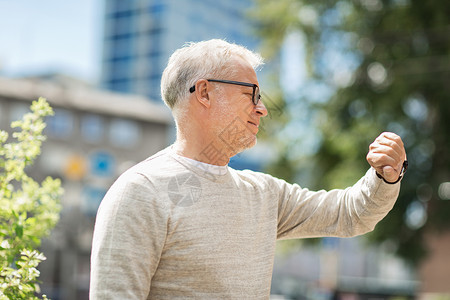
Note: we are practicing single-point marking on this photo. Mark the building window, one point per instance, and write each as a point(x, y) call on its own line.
point(121, 14)
point(61, 124)
point(92, 197)
point(92, 128)
point(120, 5)
point(157, 9)
point(119, 85)
point(123, 25)
point(125, 59)
point(118, 70)
point(124, 133)
point(122, 46)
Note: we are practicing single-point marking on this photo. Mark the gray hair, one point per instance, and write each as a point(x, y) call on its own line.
point(202, 60)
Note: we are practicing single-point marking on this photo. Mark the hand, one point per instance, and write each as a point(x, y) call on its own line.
point(386, 155)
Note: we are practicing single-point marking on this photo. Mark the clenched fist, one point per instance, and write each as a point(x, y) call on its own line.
point(386, 155)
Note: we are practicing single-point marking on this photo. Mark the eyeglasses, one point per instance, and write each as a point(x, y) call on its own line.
point(256, 96)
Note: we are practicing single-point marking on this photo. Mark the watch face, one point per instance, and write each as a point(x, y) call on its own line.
point(405, 167)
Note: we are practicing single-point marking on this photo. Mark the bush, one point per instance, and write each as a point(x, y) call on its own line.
point(28, 210)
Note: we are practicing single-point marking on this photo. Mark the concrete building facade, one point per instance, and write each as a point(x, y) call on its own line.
point(92, 138)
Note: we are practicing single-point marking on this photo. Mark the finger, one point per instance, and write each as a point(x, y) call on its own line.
point(391, 140)
point(380, 160)
point(385, 166)
point(397, 155)
point(388, 148)
point(395, 146)
point(398, 145)
point(390, 174)
point(392, 136)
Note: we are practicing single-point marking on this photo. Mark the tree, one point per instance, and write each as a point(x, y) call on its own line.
point(28, 210)
point(386, 67)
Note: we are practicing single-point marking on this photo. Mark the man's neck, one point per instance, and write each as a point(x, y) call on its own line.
point(209, 151)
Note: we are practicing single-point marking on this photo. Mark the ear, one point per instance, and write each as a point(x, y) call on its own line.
point(202, 89)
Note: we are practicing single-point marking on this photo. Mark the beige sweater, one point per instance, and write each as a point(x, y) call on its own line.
point(169, 230)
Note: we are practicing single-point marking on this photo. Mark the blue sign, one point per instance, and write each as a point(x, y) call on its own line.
point(102, 164)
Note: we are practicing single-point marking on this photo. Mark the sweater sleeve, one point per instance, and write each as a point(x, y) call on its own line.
point(338, 213)
point(128, 239)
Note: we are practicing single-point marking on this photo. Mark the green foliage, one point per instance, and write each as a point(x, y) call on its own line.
point(397, 53)
point(28, 210)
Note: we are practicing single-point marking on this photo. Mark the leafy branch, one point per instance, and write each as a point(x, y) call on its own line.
point(28, 210)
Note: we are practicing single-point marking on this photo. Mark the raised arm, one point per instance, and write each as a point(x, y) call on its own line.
point(352, 211)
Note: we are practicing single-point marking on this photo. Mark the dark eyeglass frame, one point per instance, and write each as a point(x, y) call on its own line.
point(256, 96)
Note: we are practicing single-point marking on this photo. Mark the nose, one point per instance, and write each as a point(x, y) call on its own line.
point(261, 109)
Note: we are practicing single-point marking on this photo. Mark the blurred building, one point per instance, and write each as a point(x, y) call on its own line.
point(92, 138)
point(435, 269)
point(343, 268)
point(140, 35)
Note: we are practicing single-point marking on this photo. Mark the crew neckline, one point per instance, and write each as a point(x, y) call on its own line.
point(204, 167)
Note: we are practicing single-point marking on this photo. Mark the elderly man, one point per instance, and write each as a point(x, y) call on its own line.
point(182, 224)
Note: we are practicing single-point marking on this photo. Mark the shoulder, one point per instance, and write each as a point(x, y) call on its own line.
point(145, 178)
point(152, 169)
point(259, 179)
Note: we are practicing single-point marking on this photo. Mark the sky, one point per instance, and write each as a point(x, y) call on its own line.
point(60, 36)
point(41, 36)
